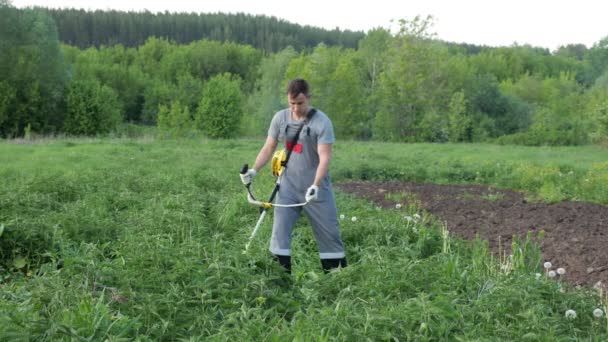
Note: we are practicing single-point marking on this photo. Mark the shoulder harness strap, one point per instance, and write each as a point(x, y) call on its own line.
point(296, 137)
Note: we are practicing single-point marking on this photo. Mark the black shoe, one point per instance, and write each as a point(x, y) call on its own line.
point(285, 261)
point(329, 264)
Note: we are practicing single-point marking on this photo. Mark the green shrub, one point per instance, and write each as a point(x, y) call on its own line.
point(92, 108)
point(220, 109)
point(175, 121)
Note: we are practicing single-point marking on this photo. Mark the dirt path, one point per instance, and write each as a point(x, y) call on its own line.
point(576, 233)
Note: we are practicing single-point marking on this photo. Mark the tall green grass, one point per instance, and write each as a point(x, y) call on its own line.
point(124, 239)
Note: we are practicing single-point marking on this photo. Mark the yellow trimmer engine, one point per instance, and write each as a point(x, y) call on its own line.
point(278, 162)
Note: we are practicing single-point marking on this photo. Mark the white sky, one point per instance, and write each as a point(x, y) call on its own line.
point(542, 23)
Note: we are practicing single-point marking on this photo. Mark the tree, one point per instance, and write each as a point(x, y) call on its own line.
point(269, 92)
point(412, 84)
point(372, 50)
point(596, 60)
point(373, 55)
point(189, 90)
point(596, 109)
point(151, 54)
point(338, 87)
point(602, 118)
point(317, 68)
point(498, 112)
point(156, 93)
point(459, 123)
point(32, 66)
point(490, 62)
point(221, 108)
point(346, 105)
point(7, 97)
point(576, 51)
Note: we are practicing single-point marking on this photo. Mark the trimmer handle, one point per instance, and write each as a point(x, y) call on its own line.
point(244, 171)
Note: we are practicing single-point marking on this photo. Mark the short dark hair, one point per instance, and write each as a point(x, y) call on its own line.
point(297, 86)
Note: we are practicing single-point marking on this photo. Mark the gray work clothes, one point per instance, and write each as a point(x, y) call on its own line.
point(295, 180)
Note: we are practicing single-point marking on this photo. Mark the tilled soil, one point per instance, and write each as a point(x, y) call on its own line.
point(576, 233)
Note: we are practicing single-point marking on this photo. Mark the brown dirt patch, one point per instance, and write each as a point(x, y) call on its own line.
point(576, 233)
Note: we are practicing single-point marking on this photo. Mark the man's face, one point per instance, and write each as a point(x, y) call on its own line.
point(298, 104)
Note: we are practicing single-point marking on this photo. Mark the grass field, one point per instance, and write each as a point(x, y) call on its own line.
point(546, 173)
point(118, 239)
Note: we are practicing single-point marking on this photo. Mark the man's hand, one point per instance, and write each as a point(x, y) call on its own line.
point(312, 193)
point(247, 176)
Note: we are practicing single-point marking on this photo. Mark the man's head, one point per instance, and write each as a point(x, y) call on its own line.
point(298, 95)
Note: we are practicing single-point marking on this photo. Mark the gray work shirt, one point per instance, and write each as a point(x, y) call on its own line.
point(302, 165)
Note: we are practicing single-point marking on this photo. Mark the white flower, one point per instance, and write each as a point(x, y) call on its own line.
point(354, 219)
point(416, 216)
point(538, 275)
point(551, 274)
point(571, 314)
point(598, 313)
point(561, 271)
point(547, 265)
point(398, 205)
point(341, 216)
point(408, 218)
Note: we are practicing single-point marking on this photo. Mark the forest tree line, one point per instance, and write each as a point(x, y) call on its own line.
point(405, 86)
point(84, 29)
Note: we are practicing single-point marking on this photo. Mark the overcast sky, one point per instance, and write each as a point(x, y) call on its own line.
point(496, 23)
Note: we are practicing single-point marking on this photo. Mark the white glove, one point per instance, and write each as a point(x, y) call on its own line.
point(312, 193)
point(247, 176)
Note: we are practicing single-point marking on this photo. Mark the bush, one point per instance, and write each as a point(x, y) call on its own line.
point(92, 108)
point(221, 108)
point(174, 122)
point(552, 137)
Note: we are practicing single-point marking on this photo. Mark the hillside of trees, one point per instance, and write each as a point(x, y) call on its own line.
point(84, 29)
point(407, 86)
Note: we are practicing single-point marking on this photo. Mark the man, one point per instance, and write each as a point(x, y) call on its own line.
point(306, 178)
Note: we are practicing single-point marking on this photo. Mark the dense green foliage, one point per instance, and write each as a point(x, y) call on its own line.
point(403, 87)
point(142, 240)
